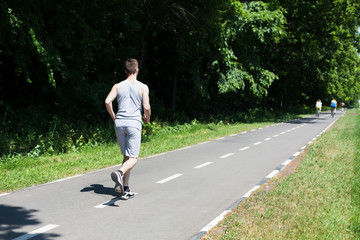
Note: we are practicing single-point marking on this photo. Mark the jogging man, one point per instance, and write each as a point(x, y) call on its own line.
point(333, 105)
point(132, 97)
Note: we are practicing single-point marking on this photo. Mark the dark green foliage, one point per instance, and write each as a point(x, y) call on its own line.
point(201, 59)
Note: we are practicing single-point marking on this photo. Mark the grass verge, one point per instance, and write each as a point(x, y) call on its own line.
point(20, 171)
point(320, 200)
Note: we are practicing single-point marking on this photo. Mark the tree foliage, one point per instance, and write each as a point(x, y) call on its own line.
point(199, 58)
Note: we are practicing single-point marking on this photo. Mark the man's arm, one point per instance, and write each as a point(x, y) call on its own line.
point(146, 103)
point(108, 101)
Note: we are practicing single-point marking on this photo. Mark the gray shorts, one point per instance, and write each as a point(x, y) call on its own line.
point(129, 139)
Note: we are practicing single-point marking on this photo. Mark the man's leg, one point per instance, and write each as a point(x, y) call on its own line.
point(126, 167)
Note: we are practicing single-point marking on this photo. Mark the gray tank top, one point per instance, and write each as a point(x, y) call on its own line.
point(129, 100)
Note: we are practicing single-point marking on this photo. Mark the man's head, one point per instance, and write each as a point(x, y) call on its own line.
point(131, 66)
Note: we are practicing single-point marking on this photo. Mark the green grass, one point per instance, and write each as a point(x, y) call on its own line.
point(20, 171)
point(321, 200)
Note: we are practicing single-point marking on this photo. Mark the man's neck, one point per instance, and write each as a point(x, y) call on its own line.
point(131, 78)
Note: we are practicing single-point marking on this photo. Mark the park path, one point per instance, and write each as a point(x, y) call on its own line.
point(180, 194)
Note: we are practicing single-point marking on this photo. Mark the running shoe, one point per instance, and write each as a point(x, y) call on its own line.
point(118, 179)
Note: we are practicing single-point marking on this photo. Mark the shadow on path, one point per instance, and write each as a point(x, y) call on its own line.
point(13, 218)
point(100, 189)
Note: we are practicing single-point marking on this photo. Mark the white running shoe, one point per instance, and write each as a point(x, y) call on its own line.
point(118, 179)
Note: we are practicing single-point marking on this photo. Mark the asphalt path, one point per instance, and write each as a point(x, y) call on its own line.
point(180, 194)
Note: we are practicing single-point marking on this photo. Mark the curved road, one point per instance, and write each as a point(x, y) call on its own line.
point(181, 194)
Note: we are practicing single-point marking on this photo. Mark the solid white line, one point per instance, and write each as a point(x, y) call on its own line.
point(37, 232)
point(227, 155)
point(253, 130)
point(267, 139)
point(203, 165)
point(4, 194)
point(244, 148)
point(215, 221)
point(244, 132)
point(220, 138)
point(170, 178)
point(257, 143)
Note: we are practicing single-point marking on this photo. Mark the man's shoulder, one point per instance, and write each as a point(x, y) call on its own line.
point(142, 85)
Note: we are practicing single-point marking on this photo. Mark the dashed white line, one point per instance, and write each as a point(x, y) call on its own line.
point(170, 178)
point(282, 132)
point(214, 222)
point(276, 135)
point(286, 162)
point(227, 155)
point(295, 154)
point(273, 174)
point(37, 232)
point(257, 143)
point(246, 195)
point(203, 165)
point(244, 148)
point(267, 139)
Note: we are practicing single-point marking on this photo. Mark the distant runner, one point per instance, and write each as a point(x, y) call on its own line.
point(318, 106)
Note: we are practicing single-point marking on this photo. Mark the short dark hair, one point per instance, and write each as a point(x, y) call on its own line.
point(131, 66)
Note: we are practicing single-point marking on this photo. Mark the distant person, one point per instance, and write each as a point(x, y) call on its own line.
point(318, 106)
point(132, 97)
point(333, 105)
point(342, 106)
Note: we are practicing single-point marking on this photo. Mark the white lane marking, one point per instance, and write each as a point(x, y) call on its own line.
point(267, 139)
point(227, 155)
point(233, 135)
point(219, 138)
point(286, 162)
point(244, 148)
point(297, 153)
point(170, 178)
point(253, 130)
point(257, 143)
point(109, 203)
point(282, 132)
point(203, 165)
point(244, 132)
point(276, 135)
point(4, 194)
point(272, 174)
point(214, 222)
point(37, 232)
point(246, 195)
